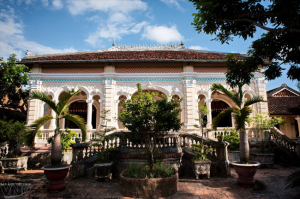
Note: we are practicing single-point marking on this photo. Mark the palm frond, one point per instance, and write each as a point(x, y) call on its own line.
point(293, 180)
point(79, 121)
point(66, 109)
point(254, 100)
point(37, 124)
point(220, 116)
point(43, 97)
point(231, 95)
point(63, 101)
point(241, 116)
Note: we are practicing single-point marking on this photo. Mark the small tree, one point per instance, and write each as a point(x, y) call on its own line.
point(203, 111)
point(13, 99)
point(148, 119)
point(12, 132)
point(263, 122)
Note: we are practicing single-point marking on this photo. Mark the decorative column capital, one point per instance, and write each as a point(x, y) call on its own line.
point(109, 83)
point(90, 101)
point(189, 82)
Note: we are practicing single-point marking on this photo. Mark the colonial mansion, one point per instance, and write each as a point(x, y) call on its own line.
point(105, 77)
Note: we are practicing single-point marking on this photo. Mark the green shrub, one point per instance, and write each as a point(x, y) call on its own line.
point(201, 151)
point(12, 132)
point(233, 139)
point(66, 139)
point(159, 171)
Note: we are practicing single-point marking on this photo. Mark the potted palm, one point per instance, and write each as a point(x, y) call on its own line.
point(238, 74)
point(149, 119)
point(56, 172)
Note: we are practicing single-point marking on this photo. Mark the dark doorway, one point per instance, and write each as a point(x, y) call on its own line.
point(217, 106)
point(80, 108)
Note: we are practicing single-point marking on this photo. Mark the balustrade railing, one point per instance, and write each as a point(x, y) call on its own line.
point(283, 141)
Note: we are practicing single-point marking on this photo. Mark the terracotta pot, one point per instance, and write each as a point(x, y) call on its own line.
point(245, 173)
point(56, 177)
point(148, 188)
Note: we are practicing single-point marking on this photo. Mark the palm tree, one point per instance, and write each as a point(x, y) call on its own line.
point(241, 114)
point(61, 110)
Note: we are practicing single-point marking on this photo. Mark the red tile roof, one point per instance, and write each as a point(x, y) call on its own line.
point(130, 55)
point(283, 101)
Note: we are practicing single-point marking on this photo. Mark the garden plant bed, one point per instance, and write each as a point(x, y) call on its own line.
point(148, 188)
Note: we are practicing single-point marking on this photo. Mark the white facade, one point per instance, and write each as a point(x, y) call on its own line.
point(103, 91)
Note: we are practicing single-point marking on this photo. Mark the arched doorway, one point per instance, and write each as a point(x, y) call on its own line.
point(217, 106)
point(80, 108)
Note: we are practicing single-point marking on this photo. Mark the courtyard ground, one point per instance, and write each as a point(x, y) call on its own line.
point(270, 185)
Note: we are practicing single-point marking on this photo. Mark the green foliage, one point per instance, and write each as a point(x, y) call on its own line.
point(12, 132)
point(293, 180)
point(233, 139)
point(66, 139)
point(281, 42)
point(148, 118)
point(12, 78)
point(159, 171)
point(201, 152)
point(263, 122)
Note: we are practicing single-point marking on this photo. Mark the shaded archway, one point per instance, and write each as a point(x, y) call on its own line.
point(176, 97)
point(122, 99)
point(80, 108)
point(217, 106)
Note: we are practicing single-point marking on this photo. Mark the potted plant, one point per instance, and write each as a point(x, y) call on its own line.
point(149, 119)
point(234, 144)
point(220, 137)
point(56, 172)
point(12, 135)
point(203, 111)
point(263, 123)
point(239, 73)
point(201, 163)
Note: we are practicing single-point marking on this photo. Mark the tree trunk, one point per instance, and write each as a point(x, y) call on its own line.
point(244, 146)
point(151, 148)
point(56, 150)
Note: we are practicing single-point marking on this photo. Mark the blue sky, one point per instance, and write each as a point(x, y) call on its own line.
point(57, 26)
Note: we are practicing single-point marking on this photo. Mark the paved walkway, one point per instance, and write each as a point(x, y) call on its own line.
point(270, 185)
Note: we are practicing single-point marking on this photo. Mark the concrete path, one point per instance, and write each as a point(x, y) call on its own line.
point(270, 185)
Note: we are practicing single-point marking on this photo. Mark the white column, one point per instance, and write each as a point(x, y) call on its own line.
point(89, 114)
point(52, 122)
point(33, 104)
point(117, 112)
point(209, 116)
point(298, 121)
point(190, 104)
point(42, 112)
point(101, 109)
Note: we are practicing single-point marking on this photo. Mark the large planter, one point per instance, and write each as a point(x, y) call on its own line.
point(56, 177)
point(201, 168)
point(148, 188)
point(15, 163)
point(246, 173)
point(263, 158)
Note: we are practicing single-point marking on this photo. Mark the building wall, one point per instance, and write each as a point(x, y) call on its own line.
point(104, 89)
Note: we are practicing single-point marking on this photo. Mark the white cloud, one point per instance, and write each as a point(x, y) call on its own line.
point(198, 48)
point(162, 34)
point(79, 7)
point(57, 4)
point(12, 39)
point(173, 3)
point(113, 30)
